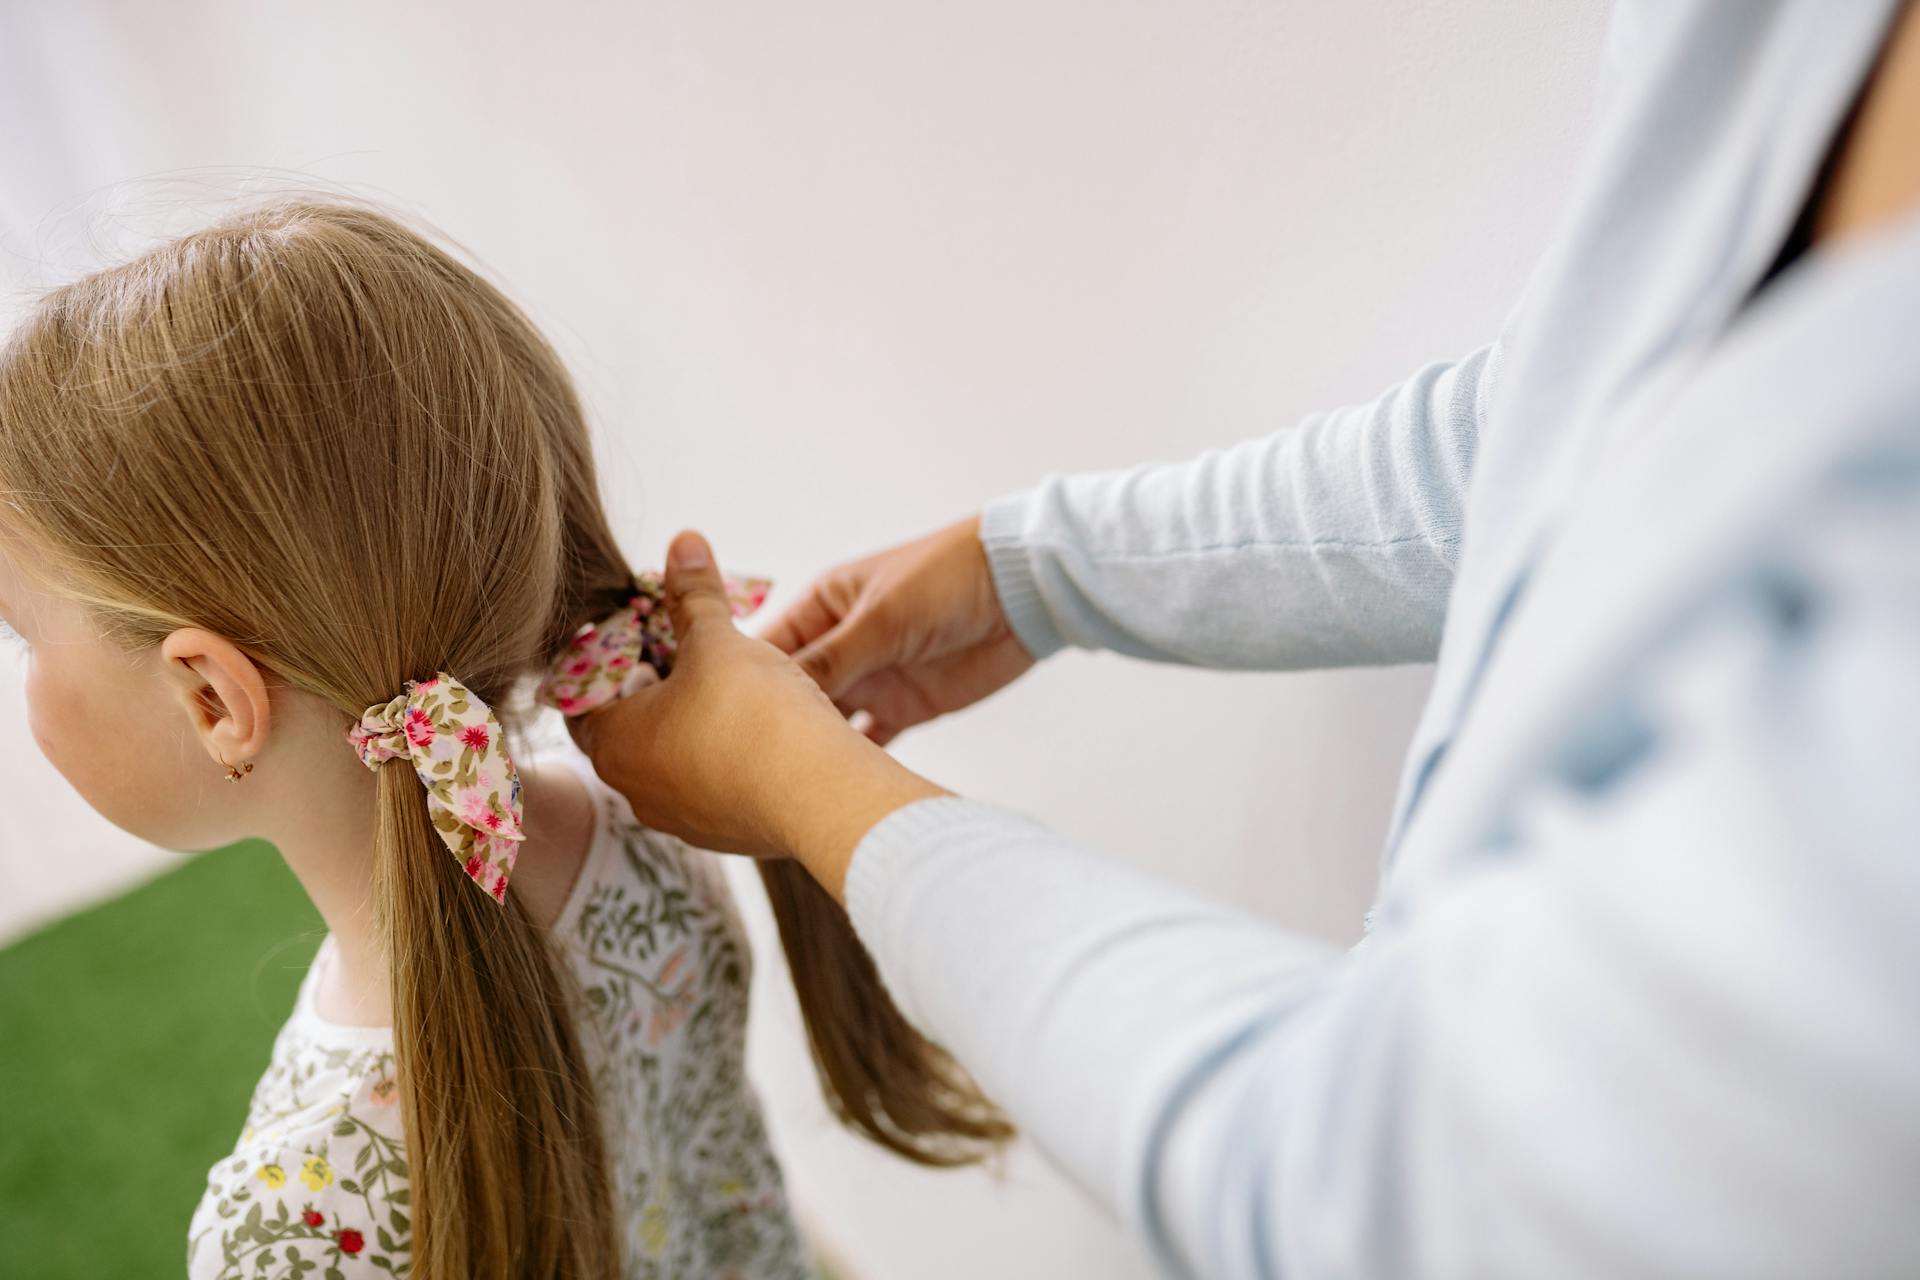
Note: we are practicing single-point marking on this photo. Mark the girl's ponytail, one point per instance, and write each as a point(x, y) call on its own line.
point(881, 1077)
point(495, 1092)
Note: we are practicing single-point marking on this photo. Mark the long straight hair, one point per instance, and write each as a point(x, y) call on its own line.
point(312, 430)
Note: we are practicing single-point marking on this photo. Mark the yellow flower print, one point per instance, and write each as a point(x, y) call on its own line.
point(271, 1174)
point(316, 1173)
point(653, 1229)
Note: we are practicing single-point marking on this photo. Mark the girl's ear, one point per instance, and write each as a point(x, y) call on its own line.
point(221, 690)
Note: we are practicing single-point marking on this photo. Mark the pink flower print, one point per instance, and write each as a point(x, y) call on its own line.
point(475, 736)
point(473, 808)
point(569, 705)
point(498, 849)
point(431, 682)
point(419, 728)
point(474, 867)
point(493, 819)
point(374, 746)
point(500, 889)
point(619, 662)
point(579, 666)
point(643, 605)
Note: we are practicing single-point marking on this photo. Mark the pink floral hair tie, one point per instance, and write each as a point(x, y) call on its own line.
point(460, 756)
point(631, 648)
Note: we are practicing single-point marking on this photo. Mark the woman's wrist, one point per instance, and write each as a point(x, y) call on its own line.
point(838, 792)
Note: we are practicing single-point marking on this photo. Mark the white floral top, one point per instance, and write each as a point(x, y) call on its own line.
point(317, 1186)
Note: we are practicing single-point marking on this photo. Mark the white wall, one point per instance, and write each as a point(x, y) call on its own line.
point(833, 274)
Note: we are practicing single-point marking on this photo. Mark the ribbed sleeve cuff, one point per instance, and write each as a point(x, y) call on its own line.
point(913, 838)
point(1002, 522)
point(889, 843)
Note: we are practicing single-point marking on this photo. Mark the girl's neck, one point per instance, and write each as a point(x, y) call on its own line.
point(334, 862)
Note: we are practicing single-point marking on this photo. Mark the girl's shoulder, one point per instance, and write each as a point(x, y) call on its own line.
point(319, 1173)
point(635, 876)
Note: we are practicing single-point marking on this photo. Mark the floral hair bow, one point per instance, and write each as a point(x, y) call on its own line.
point(630, 649)
point(460, 756)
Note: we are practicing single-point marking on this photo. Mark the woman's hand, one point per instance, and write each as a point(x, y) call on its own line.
point(738, 750)
point(906, 634)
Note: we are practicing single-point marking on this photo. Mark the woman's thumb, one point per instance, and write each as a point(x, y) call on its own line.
point(693, 588)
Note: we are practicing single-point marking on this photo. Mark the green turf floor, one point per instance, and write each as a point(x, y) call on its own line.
point(130, 1039)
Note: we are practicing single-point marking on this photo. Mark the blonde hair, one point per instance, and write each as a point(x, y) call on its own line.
point(312, 430)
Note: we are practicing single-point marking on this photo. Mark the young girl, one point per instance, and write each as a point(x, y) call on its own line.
point(295, 514)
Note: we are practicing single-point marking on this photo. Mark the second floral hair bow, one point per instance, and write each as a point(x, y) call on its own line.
point(631, 648)
point(457, 750)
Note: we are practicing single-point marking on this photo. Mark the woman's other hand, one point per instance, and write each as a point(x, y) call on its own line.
point(738, 750)
point(906, 634)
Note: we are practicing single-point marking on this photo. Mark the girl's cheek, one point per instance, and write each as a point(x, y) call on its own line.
point(58, 720)
point(101, 750)
point(115, 734)
point(43, 716)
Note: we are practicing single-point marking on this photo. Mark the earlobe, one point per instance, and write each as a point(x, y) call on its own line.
point(222, 691)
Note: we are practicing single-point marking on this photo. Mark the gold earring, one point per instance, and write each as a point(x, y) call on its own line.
point(235, 774)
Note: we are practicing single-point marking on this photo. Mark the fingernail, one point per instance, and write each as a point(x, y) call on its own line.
point(689, 551)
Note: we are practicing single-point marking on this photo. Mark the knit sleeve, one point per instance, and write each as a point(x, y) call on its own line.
point(1328, 543)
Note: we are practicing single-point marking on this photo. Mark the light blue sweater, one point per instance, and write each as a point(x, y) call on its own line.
point(1641, 992)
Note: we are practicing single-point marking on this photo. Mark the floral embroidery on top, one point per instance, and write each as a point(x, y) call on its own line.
point(283, 1209)
point(317, 1185)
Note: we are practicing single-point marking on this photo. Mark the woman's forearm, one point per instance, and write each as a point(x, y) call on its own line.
point(836, 791)
point(1080, 993)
